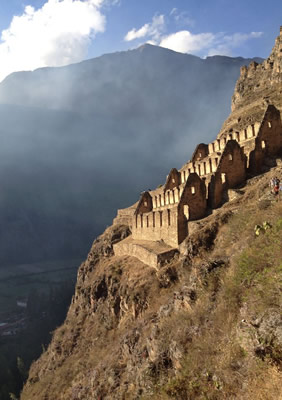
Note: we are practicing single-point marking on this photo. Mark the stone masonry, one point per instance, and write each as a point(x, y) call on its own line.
point(241, 147)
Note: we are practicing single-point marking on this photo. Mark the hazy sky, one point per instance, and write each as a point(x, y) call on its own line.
point(38, 33)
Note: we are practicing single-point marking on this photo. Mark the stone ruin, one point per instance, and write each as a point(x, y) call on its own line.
point(253, 133)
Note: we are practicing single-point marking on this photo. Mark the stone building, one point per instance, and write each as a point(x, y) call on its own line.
point(202, 183)
point(251, 134)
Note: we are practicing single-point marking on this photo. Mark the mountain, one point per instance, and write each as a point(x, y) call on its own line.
point(80, 141)
point(205, 323)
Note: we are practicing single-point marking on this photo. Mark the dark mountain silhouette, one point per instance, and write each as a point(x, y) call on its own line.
point(80, 141)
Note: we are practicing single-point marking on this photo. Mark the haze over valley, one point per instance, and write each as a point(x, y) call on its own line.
point(81, 141)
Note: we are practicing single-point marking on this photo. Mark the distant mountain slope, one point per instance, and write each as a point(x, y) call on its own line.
point(80, 141)
point(123, 82)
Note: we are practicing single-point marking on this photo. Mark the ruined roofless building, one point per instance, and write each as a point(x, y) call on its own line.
point(253, 132)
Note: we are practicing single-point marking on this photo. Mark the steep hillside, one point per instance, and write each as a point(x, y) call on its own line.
point(206, 324)
point(74, 137)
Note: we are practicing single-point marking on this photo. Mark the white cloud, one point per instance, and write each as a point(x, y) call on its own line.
point(186, 42)
point(151, 30)
point(56, 34)
point(224, 44)
point(206, 43)
point(181, 18)
point(201, 44)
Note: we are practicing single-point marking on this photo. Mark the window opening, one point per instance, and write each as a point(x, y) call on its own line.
point(186, 210)
point(210, 163)
point(161, 218)
point(253, 130)
point(167, 197)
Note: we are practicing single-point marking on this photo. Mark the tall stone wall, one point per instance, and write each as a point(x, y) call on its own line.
point(157, 225)
point(270, 132)
point(232, 165)
point(168, 222)
point(192, 205)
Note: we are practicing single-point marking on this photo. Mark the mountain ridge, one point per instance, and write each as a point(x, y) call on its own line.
point(95, 65)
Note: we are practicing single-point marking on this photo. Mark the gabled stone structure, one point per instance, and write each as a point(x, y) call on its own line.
point(163, 214)
point(241, 147)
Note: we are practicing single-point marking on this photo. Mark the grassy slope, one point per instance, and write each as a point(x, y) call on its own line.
point(236, 356)
point(221, 341)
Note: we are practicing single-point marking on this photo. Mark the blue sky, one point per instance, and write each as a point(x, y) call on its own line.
point(38, 33)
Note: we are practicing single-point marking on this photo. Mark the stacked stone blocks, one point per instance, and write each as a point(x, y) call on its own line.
point(164, 213)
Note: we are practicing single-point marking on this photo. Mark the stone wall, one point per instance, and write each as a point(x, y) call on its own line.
point(163, 214)
point(192, 205)
point(168, 221)
point(252, 133)
point(270, 132)
point(157, 225)
point(155, 255)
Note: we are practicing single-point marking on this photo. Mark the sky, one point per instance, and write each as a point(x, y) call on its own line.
point(40, 33)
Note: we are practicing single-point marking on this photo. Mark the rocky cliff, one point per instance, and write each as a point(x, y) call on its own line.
point(207, 324)
point(259, 84)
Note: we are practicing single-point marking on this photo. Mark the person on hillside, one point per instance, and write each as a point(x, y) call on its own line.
point(276, 189)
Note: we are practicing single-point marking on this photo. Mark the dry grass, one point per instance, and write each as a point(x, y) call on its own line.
point(217, 359)
point(217, 365)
